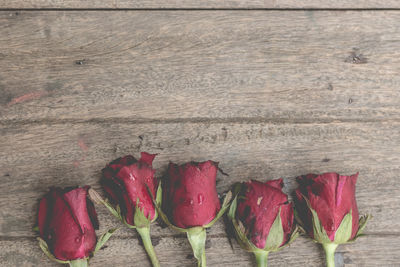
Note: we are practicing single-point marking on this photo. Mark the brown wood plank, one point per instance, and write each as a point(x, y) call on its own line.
point(35, 157)
point(302, 66)
point(146, 4)
point(370, 250)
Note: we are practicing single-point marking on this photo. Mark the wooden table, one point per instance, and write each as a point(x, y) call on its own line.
point(268, 88)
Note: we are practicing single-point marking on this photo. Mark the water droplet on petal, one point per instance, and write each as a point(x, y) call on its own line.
point(78, 239)
point(191, 202)
point(200, 199)
point(131, 177)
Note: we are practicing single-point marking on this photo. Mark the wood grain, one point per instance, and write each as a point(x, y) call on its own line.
point(368, 251)
point(176, 66)
point(226, 4)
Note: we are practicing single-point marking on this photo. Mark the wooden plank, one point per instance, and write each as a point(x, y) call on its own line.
point(370, 250)
point(303, 66)
point(35, 157)
point(226, 4)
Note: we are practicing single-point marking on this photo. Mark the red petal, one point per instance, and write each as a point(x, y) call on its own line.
point(43, 214)
point(92, 214)
point(191, 193)
point(287, 218)
point(136, 180)
point(76, 200)
point(259, 209)
point(65, 235)
point(147, 158)
point(277, 183)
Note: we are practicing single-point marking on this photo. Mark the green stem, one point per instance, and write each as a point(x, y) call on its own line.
point(330, 253)
point(79, 263)
point(261, 258)
point(144, 233)
point(197, 239)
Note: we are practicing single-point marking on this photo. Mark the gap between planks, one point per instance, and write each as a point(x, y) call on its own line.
point(202, 9)
point(234, 120)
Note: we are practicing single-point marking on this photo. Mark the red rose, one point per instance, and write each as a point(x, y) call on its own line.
point(262, 218)
point(331, 196)
point(67, 221)
point(327, 210)
point(131, 184)
point(191, 204)
point(260, 205)
point(190, 196)
point(127, 180)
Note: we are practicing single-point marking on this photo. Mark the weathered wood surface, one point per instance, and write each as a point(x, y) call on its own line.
point(208, 4)
point(268, 94)
point(301, 66)
point(175, 251)
point(35, 157)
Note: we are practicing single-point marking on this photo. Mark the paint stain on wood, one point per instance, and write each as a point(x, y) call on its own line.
point(26, 97)
point(82, 145)
point(75, 163)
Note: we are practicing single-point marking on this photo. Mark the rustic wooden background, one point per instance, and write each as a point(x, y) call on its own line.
point(269, 88)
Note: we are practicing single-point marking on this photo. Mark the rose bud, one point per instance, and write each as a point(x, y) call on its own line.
point(66, 224)
point(262, 218)
point(190, 202)
point(327, 210)
point(130, 185)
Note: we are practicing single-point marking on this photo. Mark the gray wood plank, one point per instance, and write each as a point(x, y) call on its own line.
point(34, 157)
point(146, 4)
point(371, 250)
point(302, 66)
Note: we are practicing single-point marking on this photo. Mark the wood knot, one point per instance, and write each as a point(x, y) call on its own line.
point(356, 57)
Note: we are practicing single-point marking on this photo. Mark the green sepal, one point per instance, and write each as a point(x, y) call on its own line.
point(343, 233)
point(35, 229)
point(362, 222)
point(159, 194)
point(139, 219)
point(224, 207)
point(197, 239)
point(46, 250)
point(103, 239)
point(275, 235)
point(319, 232)
point(293, 236)
point(99, 200)
point(240, 231)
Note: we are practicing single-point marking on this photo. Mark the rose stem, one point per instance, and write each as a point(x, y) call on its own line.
point(144, 233)
point(261, 258)
point(330, 253)
point(79, 263)
point(197, 239)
